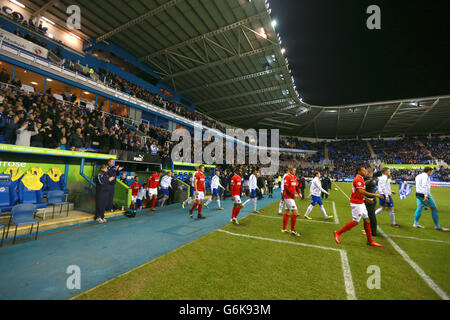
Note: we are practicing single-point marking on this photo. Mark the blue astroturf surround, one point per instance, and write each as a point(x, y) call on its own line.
point(37, 269)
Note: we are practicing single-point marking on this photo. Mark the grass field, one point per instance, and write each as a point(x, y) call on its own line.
point(256, 261)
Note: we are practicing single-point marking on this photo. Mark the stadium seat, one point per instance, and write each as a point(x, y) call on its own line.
point(57, 198)
point(8, 193)
point(27, 196)
point(50, 184)
point(22, 215)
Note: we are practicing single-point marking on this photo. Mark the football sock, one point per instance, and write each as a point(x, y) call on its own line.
point(218, 202)
point(285, 220)
point(392, 216)
point(153, 203)
point(350, 225)
point(308, 211)
point(293, 221)
point(208, 202)
point(238, 209)
point(435, 216)
point(280, 206)
point(368, 229)
point(254, 204)
point(417, 215)
point(379, 210)
point(200, 209)
point(323, 211)
point(193, 207)
point(247, 201)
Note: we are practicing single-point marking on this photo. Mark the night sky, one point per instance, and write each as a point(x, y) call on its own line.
point(336, 60)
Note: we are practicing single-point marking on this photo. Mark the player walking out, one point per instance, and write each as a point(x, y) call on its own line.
point(166, 183)
point(315, 190)
point(280, 206)
point(290, 187)
point(358, 208)
point(215, 184)
point(384, 188)
point(236, 192)
point(199, 192)
point(191, 193)
point(253, 192)
point(152, 187)
point(425, 199)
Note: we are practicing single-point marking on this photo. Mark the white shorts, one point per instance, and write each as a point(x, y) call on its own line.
point(237, 199)
point(152, 192)
point(199, 195)
point(133, 198)
point(290, 204)
point(359, 211)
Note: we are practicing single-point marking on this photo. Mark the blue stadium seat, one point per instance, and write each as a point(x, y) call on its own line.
point(8, 193)
point(52, 185)
point(57, 198)
point(31, 196)
point(22, 215)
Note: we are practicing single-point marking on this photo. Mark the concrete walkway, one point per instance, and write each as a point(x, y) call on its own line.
point(37, 269)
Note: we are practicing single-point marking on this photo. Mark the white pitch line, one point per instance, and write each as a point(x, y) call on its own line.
point(441, 293)
point(270, 217)
point(414, 238)
point(336, 218)
point(348, 280)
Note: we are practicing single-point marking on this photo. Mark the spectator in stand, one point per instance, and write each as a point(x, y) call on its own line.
point(25, 132)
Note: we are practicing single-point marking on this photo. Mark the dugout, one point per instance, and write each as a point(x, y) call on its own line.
point(76, 171)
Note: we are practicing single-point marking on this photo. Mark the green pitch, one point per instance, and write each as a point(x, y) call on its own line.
point(256, 261)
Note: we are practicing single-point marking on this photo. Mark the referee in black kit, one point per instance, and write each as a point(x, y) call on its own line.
point(371, 184)
point(113, 171)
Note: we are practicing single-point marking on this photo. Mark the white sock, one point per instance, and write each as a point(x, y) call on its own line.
point(280, 206)
point(308, 211)
point(208, 202)
point(218, 203)
point(254, 204)
point(379, 210)
point(248, 200)
point(323, 211)
point(162, 202)
point(392, 216)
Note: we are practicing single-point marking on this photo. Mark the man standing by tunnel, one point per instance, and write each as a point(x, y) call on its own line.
point(113, 171)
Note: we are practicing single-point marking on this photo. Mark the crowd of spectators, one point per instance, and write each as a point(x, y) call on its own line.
point(29, 119)
point(402, 151)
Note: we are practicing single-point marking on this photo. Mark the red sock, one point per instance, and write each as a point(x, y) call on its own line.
point(293, 221)
point(368, 229)
point(153, 203)
point(193, 207)
point(285, 220)
point(238, 209)
point(200, 206)
point(347, 227)
point(233, 213)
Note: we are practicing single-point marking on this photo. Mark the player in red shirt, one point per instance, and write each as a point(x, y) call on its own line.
point(199, 191)
point(152, 187)
point(135, 186)
point(358, 207)
point(236, 191)
point(291, 186)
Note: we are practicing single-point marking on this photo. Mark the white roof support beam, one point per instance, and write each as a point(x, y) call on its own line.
point(206, 35)
point(139, 19)
point(222, 61)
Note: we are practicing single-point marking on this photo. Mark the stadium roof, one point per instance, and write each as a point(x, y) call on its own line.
point(226, 56)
